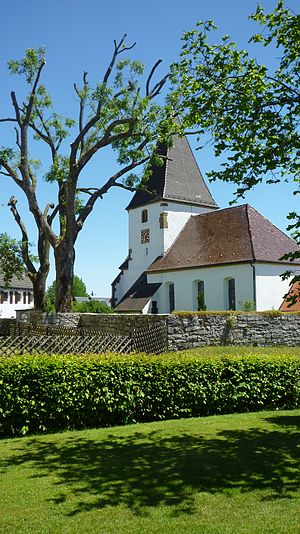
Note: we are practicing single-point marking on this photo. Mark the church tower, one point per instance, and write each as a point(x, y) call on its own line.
point(176, 192)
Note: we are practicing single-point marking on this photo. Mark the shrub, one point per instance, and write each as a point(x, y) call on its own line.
point(54, 393)
point(91, 306)
point(201, 301)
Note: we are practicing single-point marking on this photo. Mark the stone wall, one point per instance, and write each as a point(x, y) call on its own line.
point(54, 319)
point(106, 322)
point(185, 331)
point(119, 323)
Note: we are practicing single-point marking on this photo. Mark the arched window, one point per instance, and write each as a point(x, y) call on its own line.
point(144, 216)
point(200, 286)
point(201, 296)
point(198, 295)
point(229, 294)
point(171, 298)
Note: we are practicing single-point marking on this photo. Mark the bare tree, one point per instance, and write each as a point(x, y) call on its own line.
point(116, 113)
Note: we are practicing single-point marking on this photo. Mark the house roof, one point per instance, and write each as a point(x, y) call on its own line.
point(295, 288)
point(137, 296)
point(18, 283)
point(178, 179)
point(231, 235)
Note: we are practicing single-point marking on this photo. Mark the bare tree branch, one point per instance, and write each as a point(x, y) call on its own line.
point(11, 172)
point(98, 193)
point(18, 138)
point(32, 94)
point(47, 138)
point(158, 87)
point(16, 107)
point(106, 140)
point(124, 186)
point(87, 190)
point(51, 217)
point(119, 48)
point(81, 108)
point(12, 203)
point(150, 76)
point(8, 120)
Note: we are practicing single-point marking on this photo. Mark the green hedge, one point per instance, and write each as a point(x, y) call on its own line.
point(54, 393)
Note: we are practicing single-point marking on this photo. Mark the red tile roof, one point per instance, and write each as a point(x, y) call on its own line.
point(231, 235)
point(295, 288)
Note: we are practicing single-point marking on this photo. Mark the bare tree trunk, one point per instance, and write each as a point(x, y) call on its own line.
point(39, 288)
point(64, 265)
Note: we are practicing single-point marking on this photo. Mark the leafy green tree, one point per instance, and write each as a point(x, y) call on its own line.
point(16, 259)
point(11, 259)
point(78, 290)
point(251, 112)
point(91, 306)
point(119, 111)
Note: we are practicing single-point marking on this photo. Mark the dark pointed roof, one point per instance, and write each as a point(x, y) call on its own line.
point(136, 298)
point(178, 179)
point(230, 235)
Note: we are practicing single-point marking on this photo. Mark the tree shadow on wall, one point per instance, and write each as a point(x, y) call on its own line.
point(149, 469)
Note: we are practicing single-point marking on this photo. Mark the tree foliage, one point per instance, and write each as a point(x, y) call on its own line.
point(11, 259)
point(91, 306)
point(118, 111)
point(201, 301)
point(251, 112)
point(78, 290)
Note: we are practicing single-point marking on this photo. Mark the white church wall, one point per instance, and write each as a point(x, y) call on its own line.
point(178, 215)
point(214, 279)
point(270, 288)
point(160, 239)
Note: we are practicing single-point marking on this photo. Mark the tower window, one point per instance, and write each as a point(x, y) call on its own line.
point(144, 216)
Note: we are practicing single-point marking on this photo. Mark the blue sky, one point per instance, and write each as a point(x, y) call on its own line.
point(79, 36)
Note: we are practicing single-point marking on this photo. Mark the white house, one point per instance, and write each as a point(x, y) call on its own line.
point(19, 296)
point(180, 243)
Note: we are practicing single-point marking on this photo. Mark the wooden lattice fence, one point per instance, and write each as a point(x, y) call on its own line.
point(21, 338)
point(150, 339)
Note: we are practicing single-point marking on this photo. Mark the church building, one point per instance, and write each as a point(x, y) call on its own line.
point(181, 244)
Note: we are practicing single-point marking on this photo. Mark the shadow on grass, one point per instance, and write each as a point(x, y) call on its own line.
point(153, 468)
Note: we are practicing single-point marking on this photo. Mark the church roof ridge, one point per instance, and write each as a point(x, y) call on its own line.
point(178, 179)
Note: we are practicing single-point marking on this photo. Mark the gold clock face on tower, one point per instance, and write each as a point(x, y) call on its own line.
point(145, 235)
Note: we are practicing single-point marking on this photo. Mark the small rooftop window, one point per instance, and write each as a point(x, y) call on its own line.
point(144, 216)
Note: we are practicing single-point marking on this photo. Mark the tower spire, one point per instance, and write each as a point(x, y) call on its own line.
point(178, 179)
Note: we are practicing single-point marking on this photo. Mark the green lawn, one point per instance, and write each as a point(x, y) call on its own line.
point(222, 474)
point(236, 350)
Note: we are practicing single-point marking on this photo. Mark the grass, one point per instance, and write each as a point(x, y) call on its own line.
point(222, 474)
point(230, 350)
